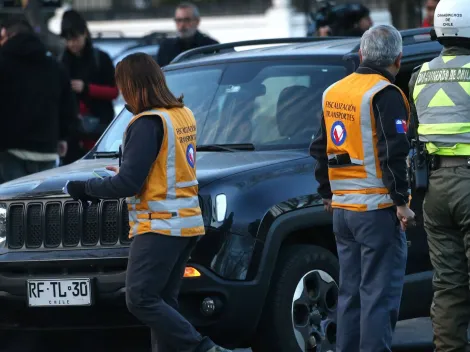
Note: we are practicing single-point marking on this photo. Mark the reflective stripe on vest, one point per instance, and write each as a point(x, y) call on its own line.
point(442, 98)
point(350, 128)
point(173, 215)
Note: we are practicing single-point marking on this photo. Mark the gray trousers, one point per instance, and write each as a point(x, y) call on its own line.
point(447, 223)
point(154, 273)
point(372, 253)
point(12, 167)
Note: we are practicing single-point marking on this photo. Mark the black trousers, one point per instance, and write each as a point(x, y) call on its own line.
point(154, 274)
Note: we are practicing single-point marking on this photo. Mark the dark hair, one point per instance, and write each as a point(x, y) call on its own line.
point(73, 25)
point(143, 84)
point(16, 25)
point(189, 5)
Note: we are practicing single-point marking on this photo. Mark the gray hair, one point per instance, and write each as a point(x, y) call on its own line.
point(381, 45)
point(189, 5)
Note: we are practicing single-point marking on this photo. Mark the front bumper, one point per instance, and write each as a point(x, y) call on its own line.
point(234, 318)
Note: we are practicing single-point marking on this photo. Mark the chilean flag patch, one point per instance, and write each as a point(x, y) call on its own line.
point(401, 126)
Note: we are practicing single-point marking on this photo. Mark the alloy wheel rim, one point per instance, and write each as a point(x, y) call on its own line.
point(314, 306)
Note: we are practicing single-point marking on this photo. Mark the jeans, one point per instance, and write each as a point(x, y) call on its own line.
point(154, 274)
point(372, 253)
point(12, 167)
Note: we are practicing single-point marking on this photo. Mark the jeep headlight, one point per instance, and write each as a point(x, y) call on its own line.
point(3, 223)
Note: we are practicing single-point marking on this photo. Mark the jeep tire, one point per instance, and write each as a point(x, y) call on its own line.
point(302, 298)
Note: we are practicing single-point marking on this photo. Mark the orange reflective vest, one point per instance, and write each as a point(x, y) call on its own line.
point(350, 126)
point(168, 203)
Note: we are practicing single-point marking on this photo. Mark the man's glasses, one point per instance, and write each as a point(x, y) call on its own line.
point(183, 20)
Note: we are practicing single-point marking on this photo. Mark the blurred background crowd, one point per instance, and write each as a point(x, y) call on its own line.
point(53, 110)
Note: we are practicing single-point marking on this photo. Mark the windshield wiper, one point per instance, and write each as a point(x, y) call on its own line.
point(225, 147)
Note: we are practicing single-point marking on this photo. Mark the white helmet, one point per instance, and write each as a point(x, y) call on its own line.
point(452, 19)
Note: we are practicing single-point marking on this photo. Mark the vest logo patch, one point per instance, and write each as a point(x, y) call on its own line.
point(190, 155)
point(401, 126)
point(338, 133)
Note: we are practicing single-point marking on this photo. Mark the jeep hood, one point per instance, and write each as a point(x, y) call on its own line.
point(211, 166)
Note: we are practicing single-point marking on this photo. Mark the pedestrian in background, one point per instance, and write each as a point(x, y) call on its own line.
point(158, 175)
point(430, 8)
point(441, 109)
point(92, 79)
point(361, 154)
point(37, 109)
point(187, 21)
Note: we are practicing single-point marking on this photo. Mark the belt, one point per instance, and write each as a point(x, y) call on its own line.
point(453, 161)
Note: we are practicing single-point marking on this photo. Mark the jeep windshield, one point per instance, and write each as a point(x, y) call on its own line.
point(262, 104)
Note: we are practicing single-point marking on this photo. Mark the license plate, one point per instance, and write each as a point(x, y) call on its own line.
point(58, 292)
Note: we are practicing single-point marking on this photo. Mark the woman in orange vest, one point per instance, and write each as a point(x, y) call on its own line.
point(158, 177)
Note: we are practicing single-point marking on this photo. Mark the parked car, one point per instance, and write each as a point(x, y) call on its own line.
point(116, 44)
point(266, 272)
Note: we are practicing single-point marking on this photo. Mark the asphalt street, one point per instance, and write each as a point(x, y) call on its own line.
point(411, 336)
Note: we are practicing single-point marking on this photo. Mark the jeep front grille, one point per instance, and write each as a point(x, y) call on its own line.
point(65, 224)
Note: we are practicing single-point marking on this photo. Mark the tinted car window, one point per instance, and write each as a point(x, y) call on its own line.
point(271, 104)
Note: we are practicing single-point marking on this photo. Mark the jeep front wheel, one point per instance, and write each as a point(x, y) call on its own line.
point(300, 310)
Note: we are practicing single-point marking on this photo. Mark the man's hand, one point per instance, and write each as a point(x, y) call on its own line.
point(77, 85)
point(406, 216)
point(62, 148)
point(327, 205)
point(114, 169)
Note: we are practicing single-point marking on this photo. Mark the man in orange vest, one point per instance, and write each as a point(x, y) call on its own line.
point(361, 170)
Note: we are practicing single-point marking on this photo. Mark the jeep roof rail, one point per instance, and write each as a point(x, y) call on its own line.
point(229, 47)
point(416, 35)
point(412, 36)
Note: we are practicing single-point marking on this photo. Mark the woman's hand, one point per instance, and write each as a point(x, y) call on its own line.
point(114, 169)
point(77, 85)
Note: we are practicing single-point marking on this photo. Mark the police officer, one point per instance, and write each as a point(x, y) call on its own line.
point(440, 95)
point(158, 177)
point(361, 170)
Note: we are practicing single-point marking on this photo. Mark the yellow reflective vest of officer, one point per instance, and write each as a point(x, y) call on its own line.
point(168, 203)
point(356, 181)
point(442, 98)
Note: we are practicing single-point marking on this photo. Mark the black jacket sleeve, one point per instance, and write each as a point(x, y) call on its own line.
point(165, 52)
point(68, 109)
point(107, 69)
point(318, 151)
point(141, 147)
point(413, 125)
point(392, 143)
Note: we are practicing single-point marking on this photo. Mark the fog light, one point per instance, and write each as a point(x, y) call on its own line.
point(191, 272)
point(208, 306)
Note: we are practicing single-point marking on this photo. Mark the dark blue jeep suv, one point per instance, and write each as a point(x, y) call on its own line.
point(265, 274)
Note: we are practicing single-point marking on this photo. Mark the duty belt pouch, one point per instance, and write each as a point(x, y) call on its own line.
point(419, 166)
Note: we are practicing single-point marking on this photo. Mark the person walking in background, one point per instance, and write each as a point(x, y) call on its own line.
point(37, 106)
point(158, 175)
point(361, 154)
point(187, 21)
point(430, 8)
point(92, 79)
